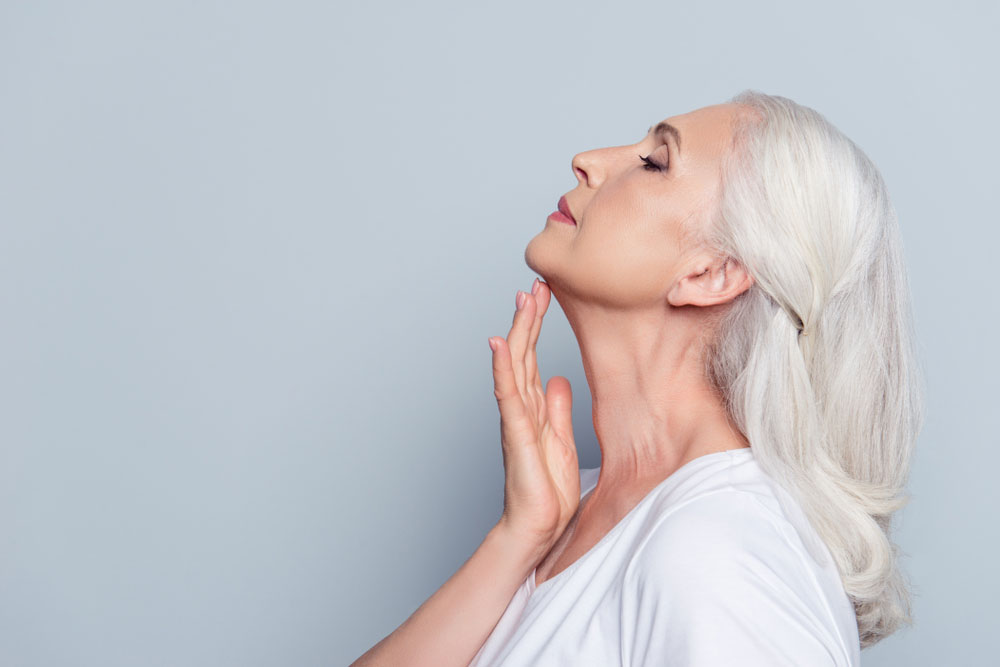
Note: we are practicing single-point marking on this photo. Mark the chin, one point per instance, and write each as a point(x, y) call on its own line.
point(533, 252)
point(548, 255)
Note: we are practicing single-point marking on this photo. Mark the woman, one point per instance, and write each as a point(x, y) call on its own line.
point(736, 285)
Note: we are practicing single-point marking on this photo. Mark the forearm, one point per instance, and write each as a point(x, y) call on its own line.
point(450, 627)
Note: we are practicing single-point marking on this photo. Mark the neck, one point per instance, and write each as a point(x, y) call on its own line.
point(653, 408)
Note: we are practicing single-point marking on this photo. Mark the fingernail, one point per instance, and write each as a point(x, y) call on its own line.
point(493, 344)
point(519, 299)
point(534, 286)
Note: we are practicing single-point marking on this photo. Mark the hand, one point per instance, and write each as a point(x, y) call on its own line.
point(542, 486)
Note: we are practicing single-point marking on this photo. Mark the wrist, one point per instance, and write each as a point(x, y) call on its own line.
point(526, 549)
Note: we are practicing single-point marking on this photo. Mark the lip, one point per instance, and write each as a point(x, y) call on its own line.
point(564, 212)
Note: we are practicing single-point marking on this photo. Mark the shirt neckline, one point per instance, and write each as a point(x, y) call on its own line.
point(533, 587)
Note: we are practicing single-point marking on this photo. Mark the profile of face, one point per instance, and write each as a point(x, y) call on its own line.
point(626, 249)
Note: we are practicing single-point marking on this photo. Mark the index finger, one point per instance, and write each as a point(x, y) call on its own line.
point(542, 298)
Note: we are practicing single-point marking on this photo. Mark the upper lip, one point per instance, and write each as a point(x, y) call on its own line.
point(564, 208)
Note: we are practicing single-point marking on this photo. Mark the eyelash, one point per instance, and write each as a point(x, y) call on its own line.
point(650, 165)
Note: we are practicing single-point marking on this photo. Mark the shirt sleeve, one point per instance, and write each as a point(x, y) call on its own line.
point(715, 582)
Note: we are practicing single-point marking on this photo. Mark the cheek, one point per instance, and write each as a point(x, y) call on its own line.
point(638, 228)
point(627, 263)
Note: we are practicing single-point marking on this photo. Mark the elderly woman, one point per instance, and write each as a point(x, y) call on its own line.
point(736, 284)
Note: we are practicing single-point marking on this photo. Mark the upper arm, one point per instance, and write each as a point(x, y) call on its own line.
point(716, 583)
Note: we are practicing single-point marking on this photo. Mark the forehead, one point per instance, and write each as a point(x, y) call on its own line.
point(706, 131)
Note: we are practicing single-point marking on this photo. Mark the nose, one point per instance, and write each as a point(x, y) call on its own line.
point(584, 168)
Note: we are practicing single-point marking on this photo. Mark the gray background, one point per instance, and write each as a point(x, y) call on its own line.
point(252, 252)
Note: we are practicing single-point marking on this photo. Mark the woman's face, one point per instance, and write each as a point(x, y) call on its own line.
point(626, 248)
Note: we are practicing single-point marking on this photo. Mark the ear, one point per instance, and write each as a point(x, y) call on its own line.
point(710, 280)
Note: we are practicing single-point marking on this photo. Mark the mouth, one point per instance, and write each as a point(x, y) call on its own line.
point(563, 214)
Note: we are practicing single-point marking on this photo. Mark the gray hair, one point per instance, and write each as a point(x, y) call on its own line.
point(832, 412)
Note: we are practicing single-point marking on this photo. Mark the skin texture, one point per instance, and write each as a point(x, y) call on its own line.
point(639, 299)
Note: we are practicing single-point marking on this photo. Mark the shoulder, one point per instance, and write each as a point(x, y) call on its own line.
point(715, 579)
point(713, 536)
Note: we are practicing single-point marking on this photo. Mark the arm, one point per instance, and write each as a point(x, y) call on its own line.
point(452, 625)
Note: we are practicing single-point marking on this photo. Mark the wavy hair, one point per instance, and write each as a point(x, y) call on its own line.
point(816, 362)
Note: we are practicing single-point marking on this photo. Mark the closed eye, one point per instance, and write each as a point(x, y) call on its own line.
point(651, 165)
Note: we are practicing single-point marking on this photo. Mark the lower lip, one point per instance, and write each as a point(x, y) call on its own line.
point(561, 217)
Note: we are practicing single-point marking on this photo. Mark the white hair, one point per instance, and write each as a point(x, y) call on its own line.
point(831, 413)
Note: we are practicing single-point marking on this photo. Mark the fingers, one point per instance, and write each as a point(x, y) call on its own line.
point(559, 402)
point(504, 386)
point(542, 297)
point(517, 339)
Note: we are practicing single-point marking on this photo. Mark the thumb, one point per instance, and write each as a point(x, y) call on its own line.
point(559, 403)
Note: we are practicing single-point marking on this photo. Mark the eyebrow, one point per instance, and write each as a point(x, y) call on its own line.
point(664, 126)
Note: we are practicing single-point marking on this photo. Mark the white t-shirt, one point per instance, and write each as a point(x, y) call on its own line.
point(716, 566)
